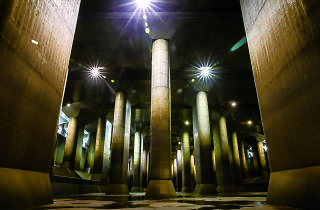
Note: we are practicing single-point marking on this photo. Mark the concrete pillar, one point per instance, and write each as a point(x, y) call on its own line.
point(73, 147)
point(186, 167)
point(175, 172)
point(262, 158)
point(59, 150)
point(204, 153)
point(220, 139)
point(104, 180)
point(244, 165)
point(256, 161)
point(193, 172)
point(90, 156)
point(99, 147)
point(144, 178)
point(236, 164)
point(32, 85)
point(196, 146)
point(179, 170)
point(136, 187)
point(214, 162)
point(160, 185)
point(120, 146)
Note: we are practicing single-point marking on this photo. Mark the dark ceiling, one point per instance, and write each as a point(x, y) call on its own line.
point(110, 34)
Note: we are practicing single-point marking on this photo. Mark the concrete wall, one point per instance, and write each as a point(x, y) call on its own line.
point(31, 89)
point(284, 43)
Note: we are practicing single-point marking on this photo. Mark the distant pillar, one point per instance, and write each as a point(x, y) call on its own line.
point(221, 148)
point(256, 161)
point(205, 174)
point(186, 169)
point(136, 187)
point(120, 146)
point(144, 178)
point(236, 164)
point(73, 147)
point(90, 157)
point(244, 165)
point(179, 171)
point(193, 172)
point(99, 147)
point(262, 158)
point(160, 185)
point(214, 162)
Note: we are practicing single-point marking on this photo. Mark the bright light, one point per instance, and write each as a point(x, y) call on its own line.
point(205, 71)
point(147, 30)
point(68, 105)
point(193, 80)
point(95, 72)
point(112, 81)
point(187, 122)
point(144, 16)
point(249, 122)
point(142, 4)
point(34, 42)
point(234, 104)
point(146, 24)
point(179, 142)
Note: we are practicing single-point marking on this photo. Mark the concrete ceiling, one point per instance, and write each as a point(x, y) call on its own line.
point(198, 30)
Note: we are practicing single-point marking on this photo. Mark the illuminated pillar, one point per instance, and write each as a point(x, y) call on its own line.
point(196, 147)
point(236, 164)
point(144, 178)
point(90, 157)
point(205, 175)
point(221, 149)
point(136, 187)
point(179, 170)
point(214, 162)
point(256, 159)
point(99, 147)
point(186, 170)
point(120, 146)
point(160, 185)
point(73, 147)
point(193, 173)
point(262, 158)
point(244, 165)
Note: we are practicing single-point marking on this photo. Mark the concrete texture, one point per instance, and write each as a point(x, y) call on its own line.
point(237, 184)
point(31, 89)
point(244, 165)
point(160, 128)
point(284, 45)
point(221, 148)
point(262, 158)
point(136, 186)
point(186, 167)
point(99, 146)
point(90, 157)
point(119, 155)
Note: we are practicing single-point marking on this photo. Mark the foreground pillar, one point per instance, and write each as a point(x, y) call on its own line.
point(120, 147)
point(237, 185)
point(205, 174)
point(160, 185)
point(31, 89)
point(186, 167)
point(221, 149)
point(262, 158)
point(284, 45)
point(136, 186)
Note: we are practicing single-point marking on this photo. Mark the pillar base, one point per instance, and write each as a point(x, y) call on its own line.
point(186, 189)
point(206, 189)
point(225, 189)
point(117, 189)
point(136, 189)
point(160, 189)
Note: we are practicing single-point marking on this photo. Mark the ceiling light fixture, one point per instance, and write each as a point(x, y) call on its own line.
point(142, 4)
point(249, 122)
point(187, 122)
point(233, 104)
point(95, 72)
point(205, 71)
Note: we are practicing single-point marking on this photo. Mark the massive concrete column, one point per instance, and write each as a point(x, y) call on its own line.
point(90, 156)
point(59, 150)
point(99, 147)
point(136, 186)
point(204, 153)
point(220, 139)
point(144, 178)
point(186, 167)
point(193, 173)
point(196, 146)
point(120, 146)
point(284, 44)
point(179, 170)
point(244, 165)
point(31, 89)
point(160, 185)
point(236, 164)
point(262, 158)
point(256, 161)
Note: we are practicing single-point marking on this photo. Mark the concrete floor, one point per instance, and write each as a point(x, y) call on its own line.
point(183, 201)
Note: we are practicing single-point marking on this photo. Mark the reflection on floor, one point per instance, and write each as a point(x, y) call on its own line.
point(183, 201)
